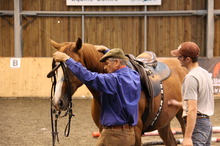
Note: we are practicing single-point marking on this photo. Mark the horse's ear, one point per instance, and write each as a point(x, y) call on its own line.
point(55, 45)
point(78, 45)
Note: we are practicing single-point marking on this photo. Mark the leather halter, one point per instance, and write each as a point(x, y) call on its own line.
point(54, 113)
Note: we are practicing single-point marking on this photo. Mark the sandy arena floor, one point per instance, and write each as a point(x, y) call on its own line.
point(26, 122)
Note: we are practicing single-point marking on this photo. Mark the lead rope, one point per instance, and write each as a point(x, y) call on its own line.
point(54, 123)
point(69, 109)
point(53, 111)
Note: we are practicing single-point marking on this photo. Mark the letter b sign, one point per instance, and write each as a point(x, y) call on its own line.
point(15, 62)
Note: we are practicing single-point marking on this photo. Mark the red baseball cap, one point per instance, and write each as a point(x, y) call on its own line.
point(188, 49)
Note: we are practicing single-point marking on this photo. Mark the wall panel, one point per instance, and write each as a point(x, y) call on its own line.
point(120, 32)
point(39, 31)
point(216, 50)
point(164, 33)
point(6, 36)
point(29, 80)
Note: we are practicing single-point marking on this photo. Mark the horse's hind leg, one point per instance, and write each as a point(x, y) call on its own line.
point(180, 119)
point(167, 136)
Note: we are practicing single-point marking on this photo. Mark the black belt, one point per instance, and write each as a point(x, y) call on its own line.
point(202, 116)
point(199, 116)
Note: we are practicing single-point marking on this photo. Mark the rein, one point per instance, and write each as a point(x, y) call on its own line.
point(54, 113)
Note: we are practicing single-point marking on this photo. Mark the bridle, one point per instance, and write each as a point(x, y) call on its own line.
point(54, 113)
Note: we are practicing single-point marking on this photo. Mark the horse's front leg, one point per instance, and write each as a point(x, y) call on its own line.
point(95, 111)
point(167, 136)
point(138, 128)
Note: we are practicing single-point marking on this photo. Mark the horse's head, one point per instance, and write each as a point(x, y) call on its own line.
point(87, 55)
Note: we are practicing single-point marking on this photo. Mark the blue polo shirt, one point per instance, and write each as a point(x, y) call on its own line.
point(120, 93)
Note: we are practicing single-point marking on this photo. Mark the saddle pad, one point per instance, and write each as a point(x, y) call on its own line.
point(158, 74)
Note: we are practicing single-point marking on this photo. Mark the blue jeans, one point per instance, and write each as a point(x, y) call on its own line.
point(202, 133)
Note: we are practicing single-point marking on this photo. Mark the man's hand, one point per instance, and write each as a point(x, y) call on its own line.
point(60, 56)
point(173, 102)
point(187, 142)
point(101, 48)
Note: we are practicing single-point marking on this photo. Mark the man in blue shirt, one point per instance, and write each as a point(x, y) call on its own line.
point(120, 91)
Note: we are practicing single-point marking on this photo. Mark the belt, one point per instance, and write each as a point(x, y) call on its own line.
point(199, 116)
point(118, 127)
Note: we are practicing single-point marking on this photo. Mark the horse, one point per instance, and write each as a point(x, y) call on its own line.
point(148, 120)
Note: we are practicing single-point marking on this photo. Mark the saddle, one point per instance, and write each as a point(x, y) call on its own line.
point(151, 71)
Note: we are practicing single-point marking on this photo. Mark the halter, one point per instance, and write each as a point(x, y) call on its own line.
point(54, 113)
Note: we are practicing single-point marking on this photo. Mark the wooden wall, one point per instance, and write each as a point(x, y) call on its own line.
point(6, 30)
point(29, 80)
point(217, 30)
point(163, 33)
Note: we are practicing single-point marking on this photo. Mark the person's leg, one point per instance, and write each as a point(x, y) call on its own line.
point(210, 136)
point(201, 134)
point(101, 139)
point(117, 137)
point(122, 137)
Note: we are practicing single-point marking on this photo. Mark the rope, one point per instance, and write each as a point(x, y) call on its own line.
point(54, 122)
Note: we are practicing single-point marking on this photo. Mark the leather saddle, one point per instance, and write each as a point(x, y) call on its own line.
point(151, 71)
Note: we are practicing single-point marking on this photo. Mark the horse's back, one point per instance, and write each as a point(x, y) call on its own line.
point(169, 61)
point(177, 73)
point(175, 67)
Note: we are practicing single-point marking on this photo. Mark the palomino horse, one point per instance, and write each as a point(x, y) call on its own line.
point(88, 56)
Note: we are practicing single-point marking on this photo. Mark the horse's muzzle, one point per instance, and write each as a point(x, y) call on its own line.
point(59, 105)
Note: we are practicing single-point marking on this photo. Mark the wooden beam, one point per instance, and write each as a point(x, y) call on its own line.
point(17, 29)
point(210, 29)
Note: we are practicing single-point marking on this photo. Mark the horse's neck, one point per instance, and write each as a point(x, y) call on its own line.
point(91, 62)
point(95, 67)
point(96, 94)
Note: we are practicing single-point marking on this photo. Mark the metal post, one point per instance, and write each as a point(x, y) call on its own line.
point(145, 29)
point(210, 29)
point(17, 28)
point(83, 26)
